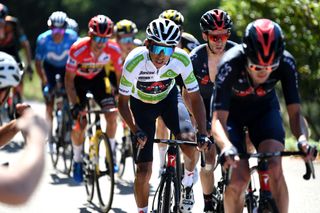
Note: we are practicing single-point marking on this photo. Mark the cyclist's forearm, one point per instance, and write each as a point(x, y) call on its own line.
point(126, 114)
point(27, 49)
point(7, 132)
point(198, 111)
point(70, 88)
point(219, 131)
point(40, 71)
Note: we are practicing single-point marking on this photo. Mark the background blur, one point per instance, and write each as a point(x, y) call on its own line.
point(299, 20)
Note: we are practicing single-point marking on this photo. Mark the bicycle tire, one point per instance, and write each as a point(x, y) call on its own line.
point(89, 177)
point(179, 173)
point(104, 175)
point(251, 200)
point(67, 153)
point(54, 151)
point(164, 198)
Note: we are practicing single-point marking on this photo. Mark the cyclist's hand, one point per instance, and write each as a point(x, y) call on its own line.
point(311, 151)
point(141, 138)
point(21, 108)
point(229, 157)
point(75, 110)
point(203, 142)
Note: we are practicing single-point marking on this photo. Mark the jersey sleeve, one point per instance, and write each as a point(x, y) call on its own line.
point(40, 48)
point(224, 81)
point(117, 59)
point(289, 79)
point(72, 63)
point(128, 76)
point(186, 68)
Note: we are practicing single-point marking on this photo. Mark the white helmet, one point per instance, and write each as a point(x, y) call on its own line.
point(9, 71)
point(163, 31)
point(58, 19)
point(72, 24)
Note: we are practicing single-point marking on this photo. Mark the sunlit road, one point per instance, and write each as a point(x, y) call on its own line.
point(58, 193)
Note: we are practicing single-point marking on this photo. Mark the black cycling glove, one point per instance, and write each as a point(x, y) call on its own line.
point(75, 110)
point(203, 139)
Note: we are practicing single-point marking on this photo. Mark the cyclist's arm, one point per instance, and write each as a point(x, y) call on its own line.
point(125, 112)
point(70, 87)
point(198, 111)
point(219, 129)
point(298, 124)
point(27, 49)
point(40, 71)
point(18, 181)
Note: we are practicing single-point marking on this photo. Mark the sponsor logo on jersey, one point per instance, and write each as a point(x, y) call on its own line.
point(169, 74)
point(79, 51)
point(125, 82)
point(223, 73)
point(134, 62)
point(190, 79)
point(183, 58)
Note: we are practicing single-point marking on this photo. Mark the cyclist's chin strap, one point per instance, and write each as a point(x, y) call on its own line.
point(211, 50)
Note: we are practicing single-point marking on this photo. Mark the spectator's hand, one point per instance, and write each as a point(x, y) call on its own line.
point(229, 157)
point(141, 138)
point(75, 110)
point(29, 123)
point(20, 109)
point(203, 141)
point(311, 151)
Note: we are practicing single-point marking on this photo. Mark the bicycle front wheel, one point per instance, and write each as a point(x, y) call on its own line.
point(105, 174)
point(67, 153)
point(89, 177)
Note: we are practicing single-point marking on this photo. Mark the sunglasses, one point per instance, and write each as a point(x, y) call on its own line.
point(258, 68)
point(223, 37)
point(156, 49)
point(126, 40)
point(58, 31)
point(99, 39)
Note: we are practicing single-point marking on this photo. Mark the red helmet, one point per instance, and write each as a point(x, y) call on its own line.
point(101, 26)
point(215, 20)
point(263, 42)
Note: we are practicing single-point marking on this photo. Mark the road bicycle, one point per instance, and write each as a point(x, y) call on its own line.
point(263, 202)
point(168, 192)
point(98, 158)
point(61, 145)
point(124, 150)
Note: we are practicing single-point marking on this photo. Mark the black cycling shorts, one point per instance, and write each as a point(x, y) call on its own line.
point(51, 72)
point(173, 112)
point(264, 125)
point(97, 87)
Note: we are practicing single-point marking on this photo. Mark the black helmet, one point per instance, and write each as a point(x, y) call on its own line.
point(215, 20)
point(263, 42)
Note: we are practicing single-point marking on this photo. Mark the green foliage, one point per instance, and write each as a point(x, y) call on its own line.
point(299, 21)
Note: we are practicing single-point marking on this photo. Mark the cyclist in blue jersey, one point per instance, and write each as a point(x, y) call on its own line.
point(73, 25)
point(148, 82)
point(215, 26)
point(52, 50)
point(246, 97)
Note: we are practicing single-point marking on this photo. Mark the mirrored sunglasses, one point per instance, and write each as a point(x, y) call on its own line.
point(58, 31)
point(156, 49)
point(99, 39)
point(222, 37)
point(258, 68)
point(126, 40)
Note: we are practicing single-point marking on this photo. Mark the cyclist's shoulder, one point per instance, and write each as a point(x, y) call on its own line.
point(230, 44)
point(180, 55)
point(287, 63)
point(188, 41)
point(136, 57)
point(198, 51)
point(234, 54)
point(71, 35)
point(113, 47)
point(44, 37)
point(80, 47)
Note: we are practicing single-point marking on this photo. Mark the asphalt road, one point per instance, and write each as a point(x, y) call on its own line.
point(58, 193)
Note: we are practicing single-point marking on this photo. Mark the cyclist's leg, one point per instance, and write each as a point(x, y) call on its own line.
point(161, 133)
point(177, 119)
point(145, 116)
point(234, 196)
point(268, 135)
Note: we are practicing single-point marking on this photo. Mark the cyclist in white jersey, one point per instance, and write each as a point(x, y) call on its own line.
point(148, 82)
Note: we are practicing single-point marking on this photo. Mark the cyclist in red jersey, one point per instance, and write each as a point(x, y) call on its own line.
point(12, 38)
point(85, 72)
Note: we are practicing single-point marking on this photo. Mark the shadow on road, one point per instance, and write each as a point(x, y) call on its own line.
point(58, 180)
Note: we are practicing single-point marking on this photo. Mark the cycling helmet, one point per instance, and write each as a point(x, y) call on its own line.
point(163, 31)
point(58, 19)
point(72, 24)
point(9, 71)
point(124, 27)
point(3, 11)
point(101, 26)
point(173, 15)
point(263, 42)
point(215, 19)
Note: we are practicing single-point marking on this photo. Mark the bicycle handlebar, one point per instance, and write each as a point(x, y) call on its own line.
point(101, 111)
point(175, 142)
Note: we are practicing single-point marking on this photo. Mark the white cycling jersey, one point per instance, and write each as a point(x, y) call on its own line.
point(141, 79)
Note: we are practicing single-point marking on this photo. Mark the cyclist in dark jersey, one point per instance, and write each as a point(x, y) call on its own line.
point(12, 39)
point(187, 43)
point(215, 26)
point(246, 97)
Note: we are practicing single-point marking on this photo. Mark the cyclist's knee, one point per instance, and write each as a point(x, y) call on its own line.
point(275, 168)
point(238, 185)
point(207, 169)
point(143, 172)
point(186, 136)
